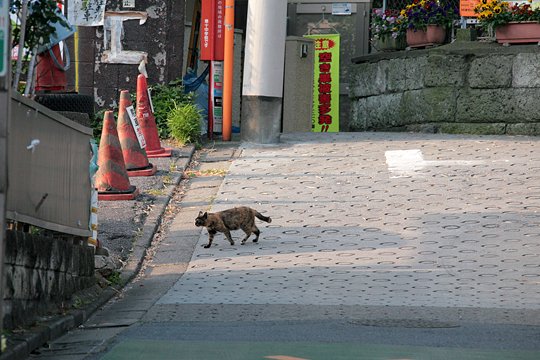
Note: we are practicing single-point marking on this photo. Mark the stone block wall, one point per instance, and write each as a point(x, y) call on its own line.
point(465, 87)
point(41, 273)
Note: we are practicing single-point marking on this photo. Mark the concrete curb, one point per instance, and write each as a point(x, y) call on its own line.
point(55, 326)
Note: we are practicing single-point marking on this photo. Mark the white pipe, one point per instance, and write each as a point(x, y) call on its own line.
point(265, 48)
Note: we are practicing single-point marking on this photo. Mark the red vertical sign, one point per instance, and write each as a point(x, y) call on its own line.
point(212, 29)
point(219, 45)
point(207, 29)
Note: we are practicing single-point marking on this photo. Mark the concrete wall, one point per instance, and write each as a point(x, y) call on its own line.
point(354, 31)
point(41, 273)
point(298, 85)
point(467, 87)
point(161, 36)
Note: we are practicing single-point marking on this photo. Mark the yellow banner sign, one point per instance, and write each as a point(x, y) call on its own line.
point(325, 116)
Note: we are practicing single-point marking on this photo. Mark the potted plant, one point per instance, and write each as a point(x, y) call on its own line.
point(510, 23)
point(427, 22)
point(387, 30)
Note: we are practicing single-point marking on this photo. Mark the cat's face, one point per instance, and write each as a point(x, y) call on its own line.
point(200, 220)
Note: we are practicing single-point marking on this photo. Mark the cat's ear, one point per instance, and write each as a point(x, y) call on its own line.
point(205, 215)
point(200, 214)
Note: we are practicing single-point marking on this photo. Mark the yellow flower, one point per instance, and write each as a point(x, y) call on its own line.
point(497, 10)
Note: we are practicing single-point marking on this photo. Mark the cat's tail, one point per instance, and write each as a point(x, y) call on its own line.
point(261, 217)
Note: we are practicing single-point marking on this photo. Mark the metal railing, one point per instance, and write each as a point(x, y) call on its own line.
point(49, 176)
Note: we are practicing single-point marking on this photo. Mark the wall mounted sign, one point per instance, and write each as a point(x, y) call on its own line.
point(325, 116)
point(212, 30)
point(341, 9)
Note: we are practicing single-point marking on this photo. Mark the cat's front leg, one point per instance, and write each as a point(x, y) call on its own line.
point(228, 236)
point(211, 234)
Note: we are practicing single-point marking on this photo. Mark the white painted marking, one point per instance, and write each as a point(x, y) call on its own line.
point(404, 163)
point(407, 163)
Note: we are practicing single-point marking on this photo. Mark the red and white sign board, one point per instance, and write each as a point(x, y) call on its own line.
point(212, 29)
point(136, 127)
point(216, 95)
point(466, 8)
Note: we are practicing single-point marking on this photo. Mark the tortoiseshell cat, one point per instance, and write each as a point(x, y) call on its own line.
point(232, 219)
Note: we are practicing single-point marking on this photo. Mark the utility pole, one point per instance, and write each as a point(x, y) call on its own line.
point(262, 91)
point(228, 67)
point(5, 102)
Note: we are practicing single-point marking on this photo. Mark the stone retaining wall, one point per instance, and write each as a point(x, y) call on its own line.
point(465, 87)
point(41, 273)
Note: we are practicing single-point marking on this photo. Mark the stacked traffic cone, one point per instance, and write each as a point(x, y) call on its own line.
point(134, 155)
point(112, 181)
point(147, 121)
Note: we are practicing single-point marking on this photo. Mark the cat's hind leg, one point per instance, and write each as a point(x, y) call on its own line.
point(257, 232)
point(248, 234)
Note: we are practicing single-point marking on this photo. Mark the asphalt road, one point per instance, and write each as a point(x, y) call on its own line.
point(382, 246)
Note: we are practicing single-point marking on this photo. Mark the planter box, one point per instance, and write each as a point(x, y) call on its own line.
point(433, 35)
point(518, 33)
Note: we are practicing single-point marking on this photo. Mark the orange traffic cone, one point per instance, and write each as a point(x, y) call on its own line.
point(112, 181)
point(134, 155)
point(147, 121)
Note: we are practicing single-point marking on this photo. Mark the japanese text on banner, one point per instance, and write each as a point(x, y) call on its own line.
point(325, 116)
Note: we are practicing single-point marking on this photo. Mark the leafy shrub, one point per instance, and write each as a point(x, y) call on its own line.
point(165, 97)
point(97, 124)
point(184, 122)
point(40, 20)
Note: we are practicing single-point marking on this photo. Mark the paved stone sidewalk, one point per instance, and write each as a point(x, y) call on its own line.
point(166, 259)
point(374, 219)
point(378, 230)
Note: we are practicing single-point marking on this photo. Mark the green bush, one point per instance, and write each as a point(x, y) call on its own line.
point(164, 98)
point(184, 122)
point(97, 124)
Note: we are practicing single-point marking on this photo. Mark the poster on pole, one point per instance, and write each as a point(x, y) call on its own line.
point(212, 30)
point(86, 13)
point(325, 115)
